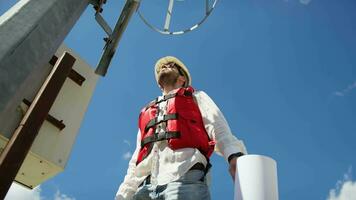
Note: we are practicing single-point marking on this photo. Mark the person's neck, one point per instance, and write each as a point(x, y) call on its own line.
point(168, 89)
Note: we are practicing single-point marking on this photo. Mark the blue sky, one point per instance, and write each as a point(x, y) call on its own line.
point(282, 71)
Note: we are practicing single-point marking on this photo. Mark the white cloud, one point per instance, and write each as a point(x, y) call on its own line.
point(345, 189)
point(340, 94)
point(346, 90)
point(18, 192)
point(127, 155)
point(347, 192)
point(305, 2)
point(127, 142)
point(59, 196)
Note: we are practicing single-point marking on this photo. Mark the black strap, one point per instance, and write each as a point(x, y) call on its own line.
point(157, 120)
point(159, 137)
point(161, 99)
point(168, 135)
point(188, 93)
point(198, 166)
point(166, 97)
point(201, 167)
point(206, 170)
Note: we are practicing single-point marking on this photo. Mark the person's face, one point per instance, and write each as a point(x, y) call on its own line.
point(168, 75)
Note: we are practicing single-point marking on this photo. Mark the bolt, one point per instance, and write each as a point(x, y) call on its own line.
point(106, 39)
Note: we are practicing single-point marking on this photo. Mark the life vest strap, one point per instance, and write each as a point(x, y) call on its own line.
point(161, 99)
point(157, 120)
point(169, 96)
point(159, 137)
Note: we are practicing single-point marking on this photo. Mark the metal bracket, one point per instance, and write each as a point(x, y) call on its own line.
point(101, 21)
point(98, 5)
point(112, 41)
point(55, 122)
point(73, 75)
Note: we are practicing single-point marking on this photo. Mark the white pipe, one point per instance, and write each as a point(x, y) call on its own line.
point(256, 178)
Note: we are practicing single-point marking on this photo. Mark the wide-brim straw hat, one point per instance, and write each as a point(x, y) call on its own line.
point(169, 59)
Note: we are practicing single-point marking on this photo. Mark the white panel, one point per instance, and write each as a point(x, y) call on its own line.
point(52, 147)
point(55, 145)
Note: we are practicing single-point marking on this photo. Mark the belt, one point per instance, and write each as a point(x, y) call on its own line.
point(197, 166)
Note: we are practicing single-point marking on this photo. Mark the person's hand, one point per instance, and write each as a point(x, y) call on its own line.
point(232, 167)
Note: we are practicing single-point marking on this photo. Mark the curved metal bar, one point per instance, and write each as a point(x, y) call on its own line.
point(208, 12)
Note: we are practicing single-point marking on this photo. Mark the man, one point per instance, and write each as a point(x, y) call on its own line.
point(178, 132)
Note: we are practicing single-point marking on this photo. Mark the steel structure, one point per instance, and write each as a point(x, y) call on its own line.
point(166, 28)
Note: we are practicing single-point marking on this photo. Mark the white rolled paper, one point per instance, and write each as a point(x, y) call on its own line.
point(256, 178)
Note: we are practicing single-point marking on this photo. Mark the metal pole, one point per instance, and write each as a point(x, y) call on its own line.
point(20, 143)
point(112, 42)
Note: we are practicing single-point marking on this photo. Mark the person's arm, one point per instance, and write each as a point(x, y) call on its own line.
point(130, 184)
point(218, 129)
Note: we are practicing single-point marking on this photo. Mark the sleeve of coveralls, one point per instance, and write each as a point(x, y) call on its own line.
point(217, 127)
point(128, 188)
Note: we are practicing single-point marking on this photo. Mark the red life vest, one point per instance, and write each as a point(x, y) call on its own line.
point(184, 124)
